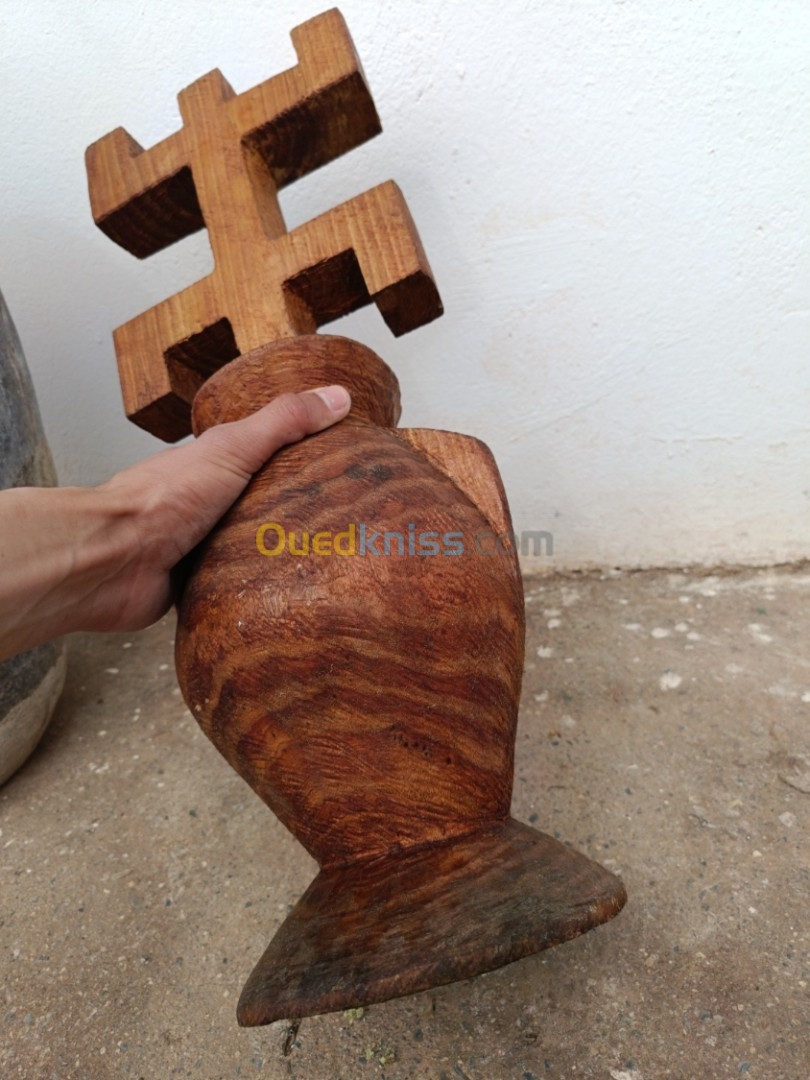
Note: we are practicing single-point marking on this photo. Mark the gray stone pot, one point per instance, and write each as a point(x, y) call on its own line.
point(30, 684)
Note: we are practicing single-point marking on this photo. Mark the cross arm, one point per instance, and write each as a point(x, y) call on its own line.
point(294, 122)
point(305, 117)
point(365, 250)
point(144, 200)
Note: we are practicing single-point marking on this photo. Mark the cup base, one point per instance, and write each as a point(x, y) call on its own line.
point(380, 928)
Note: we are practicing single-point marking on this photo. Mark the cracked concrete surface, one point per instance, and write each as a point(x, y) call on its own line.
point(664, 731)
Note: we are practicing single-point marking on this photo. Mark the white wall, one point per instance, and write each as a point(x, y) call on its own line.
point(614, 198)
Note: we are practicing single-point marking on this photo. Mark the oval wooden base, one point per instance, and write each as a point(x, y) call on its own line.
point(379, 928)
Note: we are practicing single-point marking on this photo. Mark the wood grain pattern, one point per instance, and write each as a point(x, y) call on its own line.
point(223, 170)
point(362, 671)
point(344, 719)
point(371, 700)
point(466, 907)
point(468, 462)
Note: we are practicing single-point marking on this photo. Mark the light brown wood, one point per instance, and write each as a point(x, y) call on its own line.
point(470, 465)
point(222, 171)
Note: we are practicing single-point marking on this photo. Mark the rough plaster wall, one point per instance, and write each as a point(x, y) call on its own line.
point(614, 198)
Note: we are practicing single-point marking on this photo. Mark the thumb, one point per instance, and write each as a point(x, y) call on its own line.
point(243, 446)
point(196, 483)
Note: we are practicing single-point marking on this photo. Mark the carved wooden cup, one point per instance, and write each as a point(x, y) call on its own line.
point(371, 699)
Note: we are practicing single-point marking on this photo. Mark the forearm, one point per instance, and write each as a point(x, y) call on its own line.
point(58, 548)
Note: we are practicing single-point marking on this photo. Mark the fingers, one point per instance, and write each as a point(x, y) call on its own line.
point(174, 498)
point(245, 445)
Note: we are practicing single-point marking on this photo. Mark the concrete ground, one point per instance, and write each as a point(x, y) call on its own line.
point(664, 731)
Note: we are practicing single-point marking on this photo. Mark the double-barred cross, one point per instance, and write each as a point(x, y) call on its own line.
point(222, 171)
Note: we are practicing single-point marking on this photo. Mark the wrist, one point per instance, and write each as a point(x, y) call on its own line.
point(97, 541)
point(106, 537)
point(135, 506)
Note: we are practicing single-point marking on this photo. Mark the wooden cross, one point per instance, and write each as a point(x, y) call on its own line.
point(222, 171)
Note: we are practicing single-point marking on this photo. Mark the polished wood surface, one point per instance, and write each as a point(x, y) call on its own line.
point(350, 636)
point(371, 699)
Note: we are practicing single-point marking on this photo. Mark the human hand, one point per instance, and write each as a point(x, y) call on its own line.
point(101, 558)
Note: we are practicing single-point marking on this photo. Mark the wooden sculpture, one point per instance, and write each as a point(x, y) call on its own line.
point(349, 637)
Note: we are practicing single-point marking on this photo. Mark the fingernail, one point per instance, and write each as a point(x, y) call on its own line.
point(336, 398)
